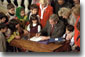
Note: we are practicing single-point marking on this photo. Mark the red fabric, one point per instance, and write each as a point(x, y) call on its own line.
point(78, 43)
point(77, 33)
point(27, 23)
point(48, 12)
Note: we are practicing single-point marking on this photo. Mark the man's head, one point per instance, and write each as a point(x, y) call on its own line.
point(11, 8)
point(53, 19)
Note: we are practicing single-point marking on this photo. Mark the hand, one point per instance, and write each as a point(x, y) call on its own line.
point(69, 36)
point(17, 37)
point(25, 32)
point(73, 47)
point(38, 34)
point(45, 38)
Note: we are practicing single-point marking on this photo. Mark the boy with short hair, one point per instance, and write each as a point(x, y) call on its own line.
point(11, 11)
point(33, 10)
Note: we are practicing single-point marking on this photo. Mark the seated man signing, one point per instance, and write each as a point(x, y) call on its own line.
point(53, 29)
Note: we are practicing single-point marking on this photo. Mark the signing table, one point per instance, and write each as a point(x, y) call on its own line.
point(34, 46)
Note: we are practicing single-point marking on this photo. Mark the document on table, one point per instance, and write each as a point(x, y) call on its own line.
point(36, 39)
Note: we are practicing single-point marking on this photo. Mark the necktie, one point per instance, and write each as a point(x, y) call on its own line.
point(52, 28)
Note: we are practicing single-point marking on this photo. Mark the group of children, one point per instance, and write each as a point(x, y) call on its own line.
point(16, 24)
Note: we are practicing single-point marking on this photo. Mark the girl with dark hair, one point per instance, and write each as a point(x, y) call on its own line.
point(34, 26)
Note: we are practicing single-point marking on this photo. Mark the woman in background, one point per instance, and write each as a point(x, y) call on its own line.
point(45, 11)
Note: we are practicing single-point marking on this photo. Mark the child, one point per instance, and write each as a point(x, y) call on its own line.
point(34, 26)
point(45, 11)
point(13, 24)
point(20, 14)
point(16, 29)
point(33, 10)
point(3, 29)
point(11, 11)
point(3, 18)
point(68, 35)
point(69, 38)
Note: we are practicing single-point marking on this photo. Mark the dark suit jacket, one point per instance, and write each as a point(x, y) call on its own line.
point(57, 32)
point(57, 6)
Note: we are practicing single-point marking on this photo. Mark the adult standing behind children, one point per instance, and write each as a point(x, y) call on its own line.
point(45, 11)
point(59, 4)
point(76, 14)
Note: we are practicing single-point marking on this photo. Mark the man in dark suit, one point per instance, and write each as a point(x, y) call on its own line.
point(54, 28)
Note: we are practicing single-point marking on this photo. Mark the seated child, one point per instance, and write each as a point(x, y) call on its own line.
point(68, 35)
point(3, 29)
point(11, 11)
point(3, 18)
point(34, 26)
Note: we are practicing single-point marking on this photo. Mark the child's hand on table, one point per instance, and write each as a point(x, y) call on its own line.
point(26, 32)
point(38, 34)
point(69, 36)
point(17, 37)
